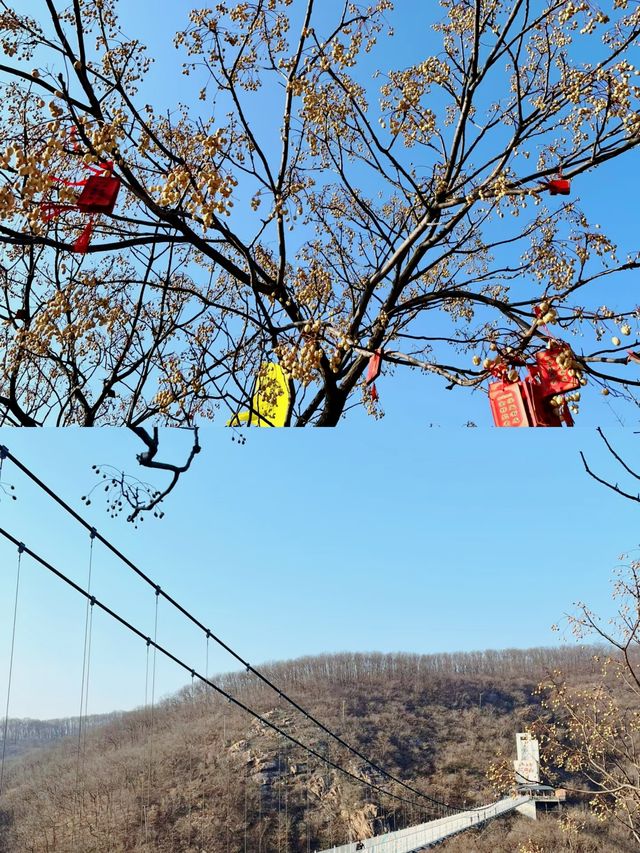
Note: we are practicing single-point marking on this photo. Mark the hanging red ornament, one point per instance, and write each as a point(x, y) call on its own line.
point(554, 377)
point(82, 243)
point(508, 406)
point(540, 413)
point(543, 414)
point(558, 185)
point(374, 367)
point(523, 403)
point(373, 393)
point(99, 195)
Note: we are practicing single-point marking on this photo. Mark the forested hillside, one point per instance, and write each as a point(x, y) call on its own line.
point(195, 773)
point(26, 734)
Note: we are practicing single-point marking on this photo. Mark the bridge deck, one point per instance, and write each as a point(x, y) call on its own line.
point(416, 838)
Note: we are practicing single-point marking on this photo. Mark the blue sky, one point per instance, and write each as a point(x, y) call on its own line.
point(306, 542)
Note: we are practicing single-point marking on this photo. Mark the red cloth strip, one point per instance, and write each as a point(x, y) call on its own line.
point(68, 183)
point(82, 243)
point(52, 209)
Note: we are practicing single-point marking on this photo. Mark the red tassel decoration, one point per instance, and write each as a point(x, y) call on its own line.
point(99, 195)
point(558, 186)
point(374, 367)
point(82, 243)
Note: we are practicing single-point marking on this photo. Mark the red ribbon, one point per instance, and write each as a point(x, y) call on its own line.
point(374, 367)
point(82, 243)
point(52, 209)
point(106, 166)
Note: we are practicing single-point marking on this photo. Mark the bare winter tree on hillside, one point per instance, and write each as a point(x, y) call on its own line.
point(298, 212)
point(595, 733)
point(592, 733)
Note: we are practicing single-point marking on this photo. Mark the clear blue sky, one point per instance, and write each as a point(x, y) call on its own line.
point(307, 542)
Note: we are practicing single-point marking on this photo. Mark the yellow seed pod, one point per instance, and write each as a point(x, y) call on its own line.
point(615, 341)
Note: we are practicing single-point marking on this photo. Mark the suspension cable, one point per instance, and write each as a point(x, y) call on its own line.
point(210, 634)
point(221, 691)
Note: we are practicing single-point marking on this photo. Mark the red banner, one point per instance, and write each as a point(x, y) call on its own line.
point(508, 404)
point(553, 378)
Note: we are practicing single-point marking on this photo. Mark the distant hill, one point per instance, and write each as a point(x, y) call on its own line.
point(24, 735)
point(198, 774)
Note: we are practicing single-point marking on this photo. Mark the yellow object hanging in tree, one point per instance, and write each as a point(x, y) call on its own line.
point(271, 399)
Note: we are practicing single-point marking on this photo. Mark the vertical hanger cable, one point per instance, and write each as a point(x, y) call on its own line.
point(13, 643)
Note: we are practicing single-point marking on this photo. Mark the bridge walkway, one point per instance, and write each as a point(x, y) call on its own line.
point(425, 835)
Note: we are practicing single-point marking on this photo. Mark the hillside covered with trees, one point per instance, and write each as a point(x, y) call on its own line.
point(195, 773)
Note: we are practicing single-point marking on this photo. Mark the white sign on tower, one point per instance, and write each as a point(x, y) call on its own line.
point(527, 765)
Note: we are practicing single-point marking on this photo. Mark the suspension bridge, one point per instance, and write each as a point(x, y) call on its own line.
point(452, 818)
point(425, 835)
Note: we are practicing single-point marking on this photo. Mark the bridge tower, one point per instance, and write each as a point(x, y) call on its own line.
point(527, 778)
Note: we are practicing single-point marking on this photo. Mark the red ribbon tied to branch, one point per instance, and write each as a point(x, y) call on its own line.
point(99, 195)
